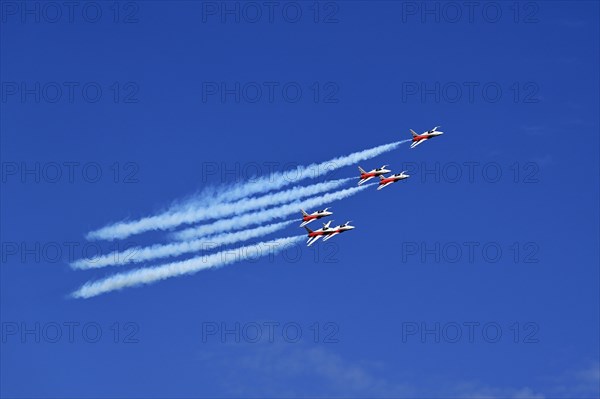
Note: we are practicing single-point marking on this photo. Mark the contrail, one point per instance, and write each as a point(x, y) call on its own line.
point(274, 181)
point(190, 266)
point(139, 254)
point(280, 179)
point(248, 219)
point(215, 211)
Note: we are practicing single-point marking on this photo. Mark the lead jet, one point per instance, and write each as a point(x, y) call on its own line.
point(419, 138)
point(306, 218)
point(326, 232)
point(366, 176)
point(386, 181)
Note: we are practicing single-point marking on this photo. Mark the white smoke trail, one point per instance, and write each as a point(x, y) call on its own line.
point(280, 179)
point(139, 254)
point(264, 216)
point(190, 266)
point(215, 211)
point(274, 181)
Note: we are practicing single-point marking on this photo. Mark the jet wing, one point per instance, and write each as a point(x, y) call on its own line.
point(331, 235)
point(416, 143)
point(384, 185)
point(364, 180)
point(305, 223)
point(312, 240)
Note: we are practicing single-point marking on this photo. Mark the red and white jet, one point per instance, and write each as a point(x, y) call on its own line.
point(386, 181)
point(419, 138)
point(306, 218)
point(366, 176)
point(326, 232)
point(314, 235)
point(334, 231)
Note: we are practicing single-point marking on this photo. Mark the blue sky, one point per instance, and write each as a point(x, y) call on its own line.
point(147, 123)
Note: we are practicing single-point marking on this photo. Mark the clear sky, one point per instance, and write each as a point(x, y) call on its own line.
point(477, 277)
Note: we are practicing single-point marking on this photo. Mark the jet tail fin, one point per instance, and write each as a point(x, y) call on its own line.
point(413, 133)
point(303, 212)
point(381, 177)
point(308, 230)
point(361, 170)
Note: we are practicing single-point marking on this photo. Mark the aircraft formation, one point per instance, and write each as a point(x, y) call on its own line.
point(327, 231)
point(237, 207)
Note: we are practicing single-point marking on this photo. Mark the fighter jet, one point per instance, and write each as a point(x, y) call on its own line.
point(419, 138)
point(366, 176)
point(337, 230)
point(313, 236)
point(326, 232)
point(306, 218)
point(386, 181)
